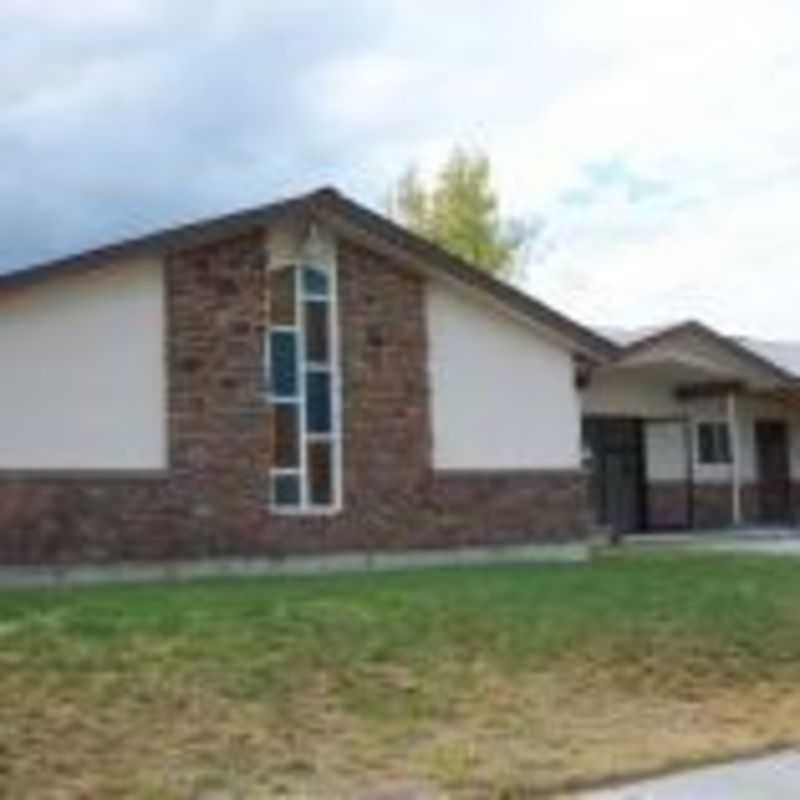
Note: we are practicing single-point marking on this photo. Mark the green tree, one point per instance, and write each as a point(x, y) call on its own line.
point(459, 212)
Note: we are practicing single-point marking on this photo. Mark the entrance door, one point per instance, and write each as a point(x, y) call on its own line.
point(616, 447)
point(623, 490)
point(772, 453)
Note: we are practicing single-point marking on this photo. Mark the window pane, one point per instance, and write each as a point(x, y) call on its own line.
point(318, 402)
point(317, 349)
point(286, 490)
point(320, 473)
point(283, 357)
point(714, 443)
point(315, 282)
point(706, 443)
point(286, 433)
point(282, 296)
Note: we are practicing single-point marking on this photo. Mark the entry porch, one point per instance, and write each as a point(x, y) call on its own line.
point(691, 437)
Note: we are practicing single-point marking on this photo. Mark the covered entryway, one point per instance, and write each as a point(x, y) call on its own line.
point(631, 489)
point(773, 477)
point(689, 430)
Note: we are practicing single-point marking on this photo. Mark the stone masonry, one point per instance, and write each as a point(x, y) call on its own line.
point(213, 498)
point(668, 508)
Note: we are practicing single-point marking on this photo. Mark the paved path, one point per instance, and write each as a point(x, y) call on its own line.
point(775, 777)
point(752, 541)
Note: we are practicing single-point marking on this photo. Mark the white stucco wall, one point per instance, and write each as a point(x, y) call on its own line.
point(630, 393)
point(83, 371)
point(665, 451)
point(502, 395)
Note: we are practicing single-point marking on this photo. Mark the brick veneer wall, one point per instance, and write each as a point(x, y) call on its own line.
point(213, 499)
point(668, 504)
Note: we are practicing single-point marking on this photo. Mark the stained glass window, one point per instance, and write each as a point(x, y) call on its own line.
point(315, 282)
point(320, 473)
point(318, 402)
point(303, 364)
point(283, 351)
point(286, 435)
point(286, 490)
point(316, 334)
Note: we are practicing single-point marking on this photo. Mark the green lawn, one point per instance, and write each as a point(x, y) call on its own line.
point(485, 682)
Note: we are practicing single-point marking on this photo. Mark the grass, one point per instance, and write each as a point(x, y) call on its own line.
point(494, 682)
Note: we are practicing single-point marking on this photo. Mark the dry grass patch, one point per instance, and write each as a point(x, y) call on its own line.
point(487, 682)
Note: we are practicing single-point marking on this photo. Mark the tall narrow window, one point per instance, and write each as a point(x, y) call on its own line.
point(304, 380)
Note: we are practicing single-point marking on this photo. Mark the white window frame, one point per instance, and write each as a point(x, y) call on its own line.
point(717, 424)
point(334, 437)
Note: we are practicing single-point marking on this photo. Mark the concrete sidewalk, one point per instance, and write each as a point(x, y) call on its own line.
point(774, 777)
point(752, 540)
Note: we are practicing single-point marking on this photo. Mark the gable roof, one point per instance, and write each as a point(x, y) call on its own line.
point(622, 337)
point(785, 354)
point(350, 218)
point(757, 355)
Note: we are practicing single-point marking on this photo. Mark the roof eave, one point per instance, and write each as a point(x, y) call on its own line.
point(731, 345)
point(168, 239)
point(333, 206)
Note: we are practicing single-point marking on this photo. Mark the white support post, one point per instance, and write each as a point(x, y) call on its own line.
point(736, 473)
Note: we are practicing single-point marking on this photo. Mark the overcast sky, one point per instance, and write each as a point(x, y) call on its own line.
point(658, 140)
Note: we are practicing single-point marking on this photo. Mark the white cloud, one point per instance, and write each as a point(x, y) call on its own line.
point(698, 99)
point(660, 139)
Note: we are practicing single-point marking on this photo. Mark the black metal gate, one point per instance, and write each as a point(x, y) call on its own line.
point(617, 467)
point(641, 472)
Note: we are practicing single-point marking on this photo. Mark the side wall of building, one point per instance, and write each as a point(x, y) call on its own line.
point(213, 497)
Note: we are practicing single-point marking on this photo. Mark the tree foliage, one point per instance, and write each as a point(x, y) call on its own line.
point(459, 212)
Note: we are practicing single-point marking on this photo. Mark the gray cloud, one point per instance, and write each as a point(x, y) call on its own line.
point(127, 115)
point(119, 125)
